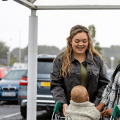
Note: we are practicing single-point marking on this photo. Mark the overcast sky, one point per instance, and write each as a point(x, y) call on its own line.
point(54, 25)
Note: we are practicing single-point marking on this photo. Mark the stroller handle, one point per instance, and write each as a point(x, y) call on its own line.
point(115, 111)
point(58, 106)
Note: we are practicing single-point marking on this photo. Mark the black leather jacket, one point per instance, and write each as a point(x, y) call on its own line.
point(96, 81)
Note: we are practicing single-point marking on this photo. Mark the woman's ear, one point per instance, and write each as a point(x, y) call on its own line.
point(71, 98)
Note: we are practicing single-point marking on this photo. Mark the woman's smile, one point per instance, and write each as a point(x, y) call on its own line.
point(80, 48)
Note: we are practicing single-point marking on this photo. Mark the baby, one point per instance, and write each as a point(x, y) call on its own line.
point(80, 108)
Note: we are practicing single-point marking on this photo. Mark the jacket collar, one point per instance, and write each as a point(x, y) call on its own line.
point(88, 57)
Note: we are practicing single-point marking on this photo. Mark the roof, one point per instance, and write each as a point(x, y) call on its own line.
point(46, 56)
point(18, 68)
point(4, 68)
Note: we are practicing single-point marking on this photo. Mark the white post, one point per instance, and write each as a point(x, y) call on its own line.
point(32, 66)
point(19, 46)
point(112, 62)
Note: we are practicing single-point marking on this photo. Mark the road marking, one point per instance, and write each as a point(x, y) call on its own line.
point(10, 115)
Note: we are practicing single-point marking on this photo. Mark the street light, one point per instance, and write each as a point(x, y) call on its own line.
point(9, 53)
point(8, 59)
point(112, 62)
point(19, 46)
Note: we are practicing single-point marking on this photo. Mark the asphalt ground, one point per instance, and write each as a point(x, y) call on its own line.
point(11, 111)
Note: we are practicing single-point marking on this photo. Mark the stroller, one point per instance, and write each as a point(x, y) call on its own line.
point(57, 112)
point(58, 109)
point(115, 112)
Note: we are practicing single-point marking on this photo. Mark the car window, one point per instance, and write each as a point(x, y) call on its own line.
point(44, 67)
point(14, 75)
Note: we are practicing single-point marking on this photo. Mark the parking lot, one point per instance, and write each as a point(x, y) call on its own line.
point(11, 111)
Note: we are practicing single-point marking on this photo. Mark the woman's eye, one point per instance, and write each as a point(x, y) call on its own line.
point(84, 41)
point(76, 41)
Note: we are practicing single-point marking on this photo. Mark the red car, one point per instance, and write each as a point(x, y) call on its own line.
point(3, 72)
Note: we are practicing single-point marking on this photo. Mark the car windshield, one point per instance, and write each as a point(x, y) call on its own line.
point(44, 67)
point(14, 75)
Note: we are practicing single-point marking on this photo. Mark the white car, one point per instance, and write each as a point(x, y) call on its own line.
point(20, 65)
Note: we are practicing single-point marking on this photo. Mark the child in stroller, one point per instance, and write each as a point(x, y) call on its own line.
point(80, 108)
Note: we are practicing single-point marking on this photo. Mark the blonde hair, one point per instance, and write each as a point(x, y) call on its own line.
point(66, 57)
point(79, 94)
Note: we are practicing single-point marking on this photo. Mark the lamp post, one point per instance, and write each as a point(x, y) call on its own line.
point(112, 62)
point(9, 55)
point(8, 59)
point(19, 46)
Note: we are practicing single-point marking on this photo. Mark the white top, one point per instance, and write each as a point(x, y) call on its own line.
point(82, 111)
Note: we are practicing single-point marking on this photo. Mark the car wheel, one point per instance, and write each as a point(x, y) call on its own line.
point(23, 111)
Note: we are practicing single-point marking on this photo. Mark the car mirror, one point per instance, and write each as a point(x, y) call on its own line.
point(0, 78)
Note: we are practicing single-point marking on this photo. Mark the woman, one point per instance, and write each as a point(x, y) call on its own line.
point(111, 94)
point(79, 64)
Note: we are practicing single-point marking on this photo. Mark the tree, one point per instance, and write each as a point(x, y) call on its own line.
point(92, 34)
point(48, 50)
point(3, 50)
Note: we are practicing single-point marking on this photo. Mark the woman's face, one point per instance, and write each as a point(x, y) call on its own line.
point(80, 43)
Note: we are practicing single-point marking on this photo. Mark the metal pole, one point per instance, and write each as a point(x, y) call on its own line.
point(77, 7)
point(19, 46)
point(112, 62)
point(32, 66)
point(9, 53)
point(8, 58)
point(67, 7)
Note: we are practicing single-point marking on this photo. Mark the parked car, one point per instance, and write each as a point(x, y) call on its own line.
point(110, 73)
point(9, 85)
point(20, 65)
point(3, 71)
point(45, 100)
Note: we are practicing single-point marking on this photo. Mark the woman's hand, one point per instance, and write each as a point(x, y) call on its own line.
point(64, 109)
point(107, 113)
point(100, 106)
